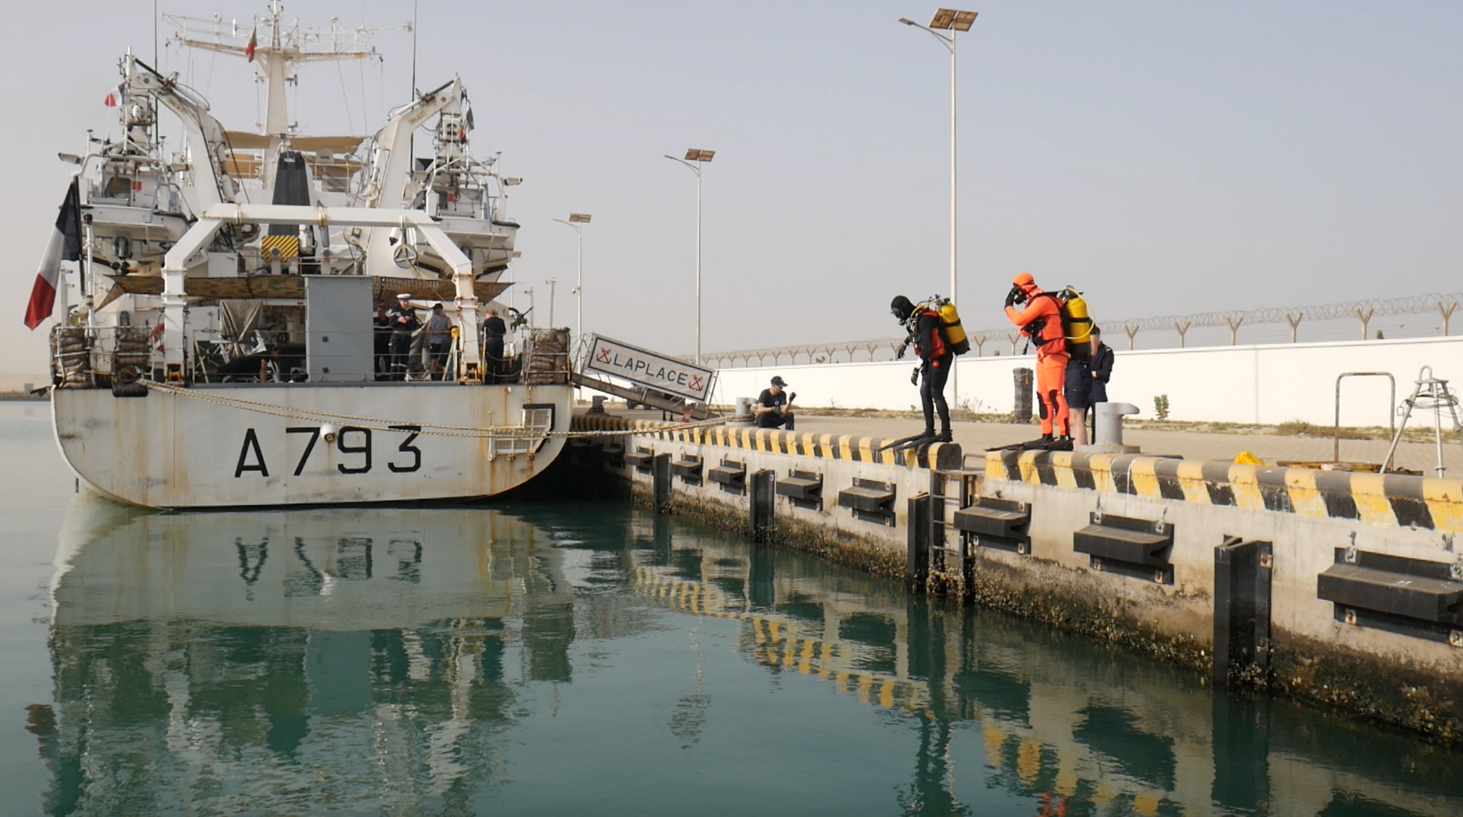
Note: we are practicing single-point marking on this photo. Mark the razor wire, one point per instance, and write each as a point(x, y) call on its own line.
point(1363, 312)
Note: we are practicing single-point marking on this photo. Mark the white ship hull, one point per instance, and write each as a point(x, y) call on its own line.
point(304, 444)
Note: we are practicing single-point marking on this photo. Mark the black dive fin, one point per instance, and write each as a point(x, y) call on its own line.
point(1038, 444)
point(899, 443)
point(915, 442)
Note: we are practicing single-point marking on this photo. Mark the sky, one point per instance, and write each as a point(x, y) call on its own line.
point(1163, 157)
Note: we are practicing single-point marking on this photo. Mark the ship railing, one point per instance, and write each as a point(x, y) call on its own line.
point(85, 357)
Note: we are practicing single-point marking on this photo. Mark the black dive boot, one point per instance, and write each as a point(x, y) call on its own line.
point(1060, 444)
point(945, 437)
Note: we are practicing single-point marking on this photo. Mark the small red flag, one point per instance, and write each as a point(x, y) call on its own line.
point(253, 44)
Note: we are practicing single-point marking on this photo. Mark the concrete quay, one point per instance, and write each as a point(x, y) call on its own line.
point(1340, 588)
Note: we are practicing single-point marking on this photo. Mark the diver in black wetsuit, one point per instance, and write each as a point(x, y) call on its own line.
point(925, 331)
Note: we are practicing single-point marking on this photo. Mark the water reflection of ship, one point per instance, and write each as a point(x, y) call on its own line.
point(200, 658)
point(214, 659)
point(1086, 729)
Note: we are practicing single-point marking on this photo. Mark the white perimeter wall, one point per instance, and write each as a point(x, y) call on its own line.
point(1240, 384)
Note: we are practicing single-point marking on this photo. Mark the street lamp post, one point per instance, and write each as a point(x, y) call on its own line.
point(576, 221)
point(698, 156)
point(553, 296)
point(952, 20)
point(499, 212)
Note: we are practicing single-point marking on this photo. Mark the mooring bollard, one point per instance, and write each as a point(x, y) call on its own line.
point(763, 499)
point(1021, 412)
point(921, 535)
point(1107, 428)
point(660, 478)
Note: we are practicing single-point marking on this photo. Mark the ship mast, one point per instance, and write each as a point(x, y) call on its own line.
point(278, 63)
point(278, 52)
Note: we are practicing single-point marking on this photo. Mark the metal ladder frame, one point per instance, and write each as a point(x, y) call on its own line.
point(943, 524)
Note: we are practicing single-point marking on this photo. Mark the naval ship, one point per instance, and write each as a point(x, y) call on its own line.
point(221, 348)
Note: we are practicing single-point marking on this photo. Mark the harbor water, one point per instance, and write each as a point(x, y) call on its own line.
point(587, 657)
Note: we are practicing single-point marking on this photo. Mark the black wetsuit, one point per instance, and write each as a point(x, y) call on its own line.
point(935, 369)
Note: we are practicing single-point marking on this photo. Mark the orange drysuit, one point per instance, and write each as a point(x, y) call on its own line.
point(1051, 352)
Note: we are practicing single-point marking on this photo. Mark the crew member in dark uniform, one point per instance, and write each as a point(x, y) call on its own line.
point(774, 409)
point(1101, 366)
point(494, 331)
point(381, 334)
point(404, 323)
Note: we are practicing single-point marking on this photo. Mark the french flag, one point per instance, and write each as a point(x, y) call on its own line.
point(64, 245)
point(116, 96)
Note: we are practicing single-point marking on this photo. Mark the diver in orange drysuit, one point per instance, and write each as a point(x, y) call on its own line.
point(1041, 319)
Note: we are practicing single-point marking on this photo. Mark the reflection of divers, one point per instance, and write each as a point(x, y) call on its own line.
point(239, 641)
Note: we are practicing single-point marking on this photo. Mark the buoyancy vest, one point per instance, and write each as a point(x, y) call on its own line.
point(954, 334)
point(1047, 327)
point(939, 347)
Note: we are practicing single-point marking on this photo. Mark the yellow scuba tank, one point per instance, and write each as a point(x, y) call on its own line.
point(951, 319)
point(1078, 323)
point(954, 336)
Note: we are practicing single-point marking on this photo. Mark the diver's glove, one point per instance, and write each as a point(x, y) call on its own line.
point(914, 378)
point(1011, 296)
point(900, 349)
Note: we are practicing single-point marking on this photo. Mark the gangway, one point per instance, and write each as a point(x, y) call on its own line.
point(652, 398)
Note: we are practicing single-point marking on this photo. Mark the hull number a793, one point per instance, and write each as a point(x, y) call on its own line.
point(354, 442)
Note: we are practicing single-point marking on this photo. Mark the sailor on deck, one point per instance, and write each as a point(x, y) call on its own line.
point(404, 324)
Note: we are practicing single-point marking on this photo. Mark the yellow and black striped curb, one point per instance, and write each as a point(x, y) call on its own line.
point(1391, 500)
point(933, 456)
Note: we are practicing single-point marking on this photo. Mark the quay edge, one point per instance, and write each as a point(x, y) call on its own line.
point(1343, 602)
